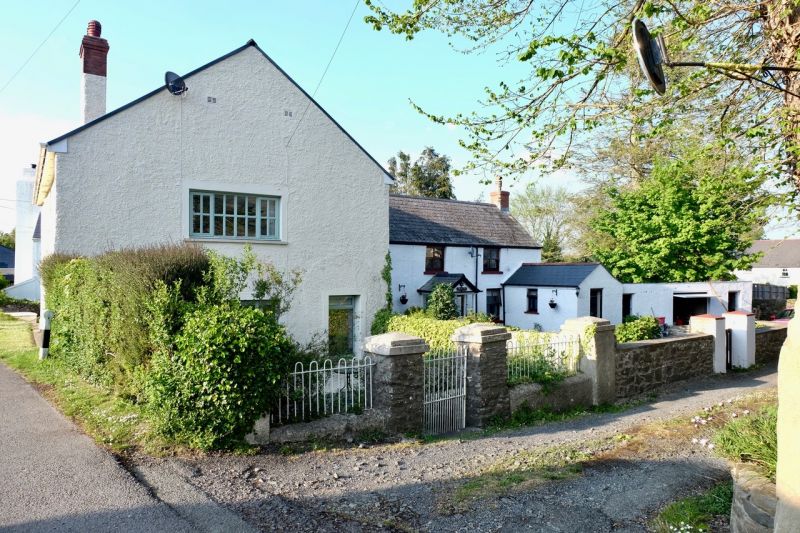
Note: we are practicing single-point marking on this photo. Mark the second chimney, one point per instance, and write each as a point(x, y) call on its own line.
point(94, 52)
point(499, 197)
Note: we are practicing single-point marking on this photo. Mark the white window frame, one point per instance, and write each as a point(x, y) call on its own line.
point(215, 196)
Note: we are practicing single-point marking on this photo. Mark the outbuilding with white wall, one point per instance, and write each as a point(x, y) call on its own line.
point(544, 295)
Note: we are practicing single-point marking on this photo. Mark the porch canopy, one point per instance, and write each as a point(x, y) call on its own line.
point(459, 282)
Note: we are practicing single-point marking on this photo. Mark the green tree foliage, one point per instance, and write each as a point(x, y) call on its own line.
point(8, 239)
point(583, 84)
point(546, 213)
point(428, 176)
point(441, 303)
point(686, 222)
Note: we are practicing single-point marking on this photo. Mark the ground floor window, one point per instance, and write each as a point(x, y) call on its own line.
point(493, 303)
point(533, 301)
point(341, 324)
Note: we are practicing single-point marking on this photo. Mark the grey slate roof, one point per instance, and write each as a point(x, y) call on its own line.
point(446, 277)
point(551, 274)
point(778, 253)
point(415, 220)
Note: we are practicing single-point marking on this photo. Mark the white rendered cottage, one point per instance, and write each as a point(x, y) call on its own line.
point(544, 295)
point(472, 246)
point(244, 156)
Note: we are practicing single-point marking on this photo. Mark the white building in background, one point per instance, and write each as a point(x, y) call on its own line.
point(676, 302)
point(472, 246)
point(544, 295)
point(779, 264)
point(27, 252)
point(245, 156)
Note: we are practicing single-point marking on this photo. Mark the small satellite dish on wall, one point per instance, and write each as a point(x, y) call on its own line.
point(175, 83)
point(650, 56)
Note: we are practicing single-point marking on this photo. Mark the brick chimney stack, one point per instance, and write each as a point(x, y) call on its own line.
point(94, 51)
point(500, 198)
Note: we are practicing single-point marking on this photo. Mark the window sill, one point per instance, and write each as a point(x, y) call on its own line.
point(234, 241)
point(531, 312)
point(492, 272)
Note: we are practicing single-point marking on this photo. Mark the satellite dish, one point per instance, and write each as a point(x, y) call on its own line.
point(650, 57)
point(175, 83)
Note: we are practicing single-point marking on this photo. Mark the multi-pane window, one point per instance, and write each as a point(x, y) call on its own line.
point(341, 324)
point(784, 272)
point(491, 259)
point(235, 216)
point(493, 302)
point(533, 300)
point(434, 259)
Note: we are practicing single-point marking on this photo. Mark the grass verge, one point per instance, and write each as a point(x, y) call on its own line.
point(752, 439)
point(696, 513)
point(113, 422)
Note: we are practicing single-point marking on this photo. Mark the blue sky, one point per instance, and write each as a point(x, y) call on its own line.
point(367, 88)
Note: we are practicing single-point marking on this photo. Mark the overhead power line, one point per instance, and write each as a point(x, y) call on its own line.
point(324, 72)
point(40, 46)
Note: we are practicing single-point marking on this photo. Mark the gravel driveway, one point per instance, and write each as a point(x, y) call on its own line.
point(410, 486)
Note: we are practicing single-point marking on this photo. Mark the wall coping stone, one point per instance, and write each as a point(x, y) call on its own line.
point(649, 342)
point(395, 344)
point(481, 334)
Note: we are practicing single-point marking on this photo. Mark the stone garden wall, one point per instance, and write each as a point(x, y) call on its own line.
point(645, 366)
point(573, 391)
point(769, 342)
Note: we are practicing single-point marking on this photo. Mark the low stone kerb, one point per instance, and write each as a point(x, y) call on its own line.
point(480, 333)
point(394, 344)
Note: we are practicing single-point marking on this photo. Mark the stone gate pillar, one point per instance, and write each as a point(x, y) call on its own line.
point(487, 371)
point(398, 379)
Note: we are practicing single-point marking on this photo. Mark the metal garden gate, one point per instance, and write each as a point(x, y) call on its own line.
point(445, 386)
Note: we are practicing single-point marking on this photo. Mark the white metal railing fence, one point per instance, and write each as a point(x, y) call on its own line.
point(445, 387)
point(322, 388)
point(533, 360)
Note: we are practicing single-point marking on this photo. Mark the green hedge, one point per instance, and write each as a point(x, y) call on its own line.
point(100, 306)
point(164, 326)
point(436, 333)
point(637, 328)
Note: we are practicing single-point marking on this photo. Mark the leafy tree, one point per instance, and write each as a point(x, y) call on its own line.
point(441, 304)
point(685, 222)
point(8, 239)
point(545, 212)
point(428, 176)
point(583, 84)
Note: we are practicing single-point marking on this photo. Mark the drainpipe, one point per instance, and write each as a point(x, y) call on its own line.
point(503, 301)
point(476, 278)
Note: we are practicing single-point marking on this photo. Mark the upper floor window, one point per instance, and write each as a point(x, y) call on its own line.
point(234, 216)
point(491, 259)
point(434, 259)
point(784, 272)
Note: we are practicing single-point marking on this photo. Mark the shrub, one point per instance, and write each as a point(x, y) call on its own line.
point(441, 304)
point(437, 333)
point(792, 292)
point(224, 373)
point(752, 439)
point(637, 328)
point(380, 324)
point(100, 307)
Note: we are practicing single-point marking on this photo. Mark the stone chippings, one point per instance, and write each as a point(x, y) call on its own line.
point(643, 367)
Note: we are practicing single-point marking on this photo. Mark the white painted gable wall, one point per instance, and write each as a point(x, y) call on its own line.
point(125, 182)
